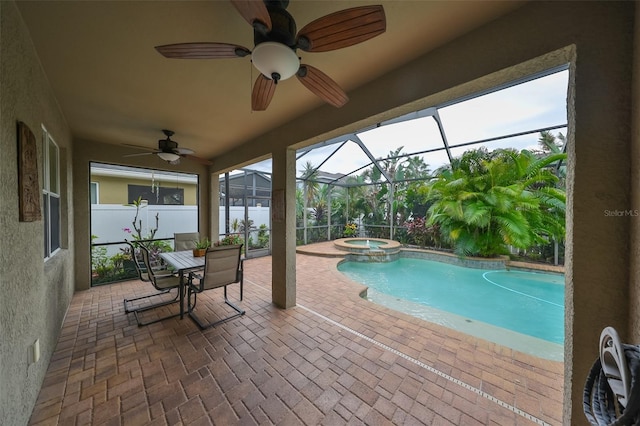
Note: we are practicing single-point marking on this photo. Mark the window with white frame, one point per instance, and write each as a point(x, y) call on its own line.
point(95, 194)
point(50, 193)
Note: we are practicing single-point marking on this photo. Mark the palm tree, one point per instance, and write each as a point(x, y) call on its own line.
point(356, 193)
point(319, 205)
point(487, 201)
point(299, 207)
point(309, 175)
point(551, 144)
point(548, 143)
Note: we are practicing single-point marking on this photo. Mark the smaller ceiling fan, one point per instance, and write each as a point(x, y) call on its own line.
point(276, 40)
point(168, 151)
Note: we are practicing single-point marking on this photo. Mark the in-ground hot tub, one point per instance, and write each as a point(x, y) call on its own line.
point(369, 249)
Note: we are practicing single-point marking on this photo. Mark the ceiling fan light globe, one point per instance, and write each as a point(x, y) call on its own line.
point(271, 58)
point(168, 156)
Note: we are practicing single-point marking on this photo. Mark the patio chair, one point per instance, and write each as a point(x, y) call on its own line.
point(222, 267)
point(162, 280)
point(185, 240)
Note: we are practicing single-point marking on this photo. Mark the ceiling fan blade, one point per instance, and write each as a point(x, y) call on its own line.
point(183, 151)
point(254, 11)
point(200, 160)
point(139, 154)
point(263, 91)
point(202, 50)
point(145, 148)
point(342, 29)
point(322, 85)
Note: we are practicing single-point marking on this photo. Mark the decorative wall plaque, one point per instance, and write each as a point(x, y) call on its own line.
point(28, 188)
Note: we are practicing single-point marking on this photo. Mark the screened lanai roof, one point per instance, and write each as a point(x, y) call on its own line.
point(510, 116)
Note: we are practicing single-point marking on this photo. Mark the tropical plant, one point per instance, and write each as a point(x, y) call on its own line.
point(380, 197)
point(299, 208)
point(487, 201)
point(245, 225)
point(309, 175)
point(421, 232)
point(263, 236)
point(106, 269)
point(319, 205)
point(99, 258)
point(550, 144)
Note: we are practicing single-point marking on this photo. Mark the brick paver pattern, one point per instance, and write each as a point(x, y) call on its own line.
point(300, 366)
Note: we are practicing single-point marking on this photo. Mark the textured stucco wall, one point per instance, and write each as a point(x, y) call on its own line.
point(634, 248)
point(34, 295)
point(597, 38)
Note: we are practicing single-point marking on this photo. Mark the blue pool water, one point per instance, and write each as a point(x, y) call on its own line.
point(529, 303)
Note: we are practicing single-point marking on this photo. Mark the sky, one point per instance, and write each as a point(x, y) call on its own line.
point(528, 106)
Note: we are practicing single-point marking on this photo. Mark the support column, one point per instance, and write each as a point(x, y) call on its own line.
point(283, 229)
point(214, 213)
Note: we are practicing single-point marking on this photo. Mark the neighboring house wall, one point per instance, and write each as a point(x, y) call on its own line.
point(34, 295)
point(114, 222)
point(247, 184)
point(114, 190)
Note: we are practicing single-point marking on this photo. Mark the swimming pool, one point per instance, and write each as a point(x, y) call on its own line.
point(511, 303)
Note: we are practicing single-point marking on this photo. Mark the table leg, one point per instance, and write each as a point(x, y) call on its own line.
point(181, 288)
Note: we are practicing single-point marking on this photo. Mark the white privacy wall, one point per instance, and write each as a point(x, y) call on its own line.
point(109, 220)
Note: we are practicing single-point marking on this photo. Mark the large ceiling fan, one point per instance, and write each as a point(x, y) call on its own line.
point(168, 151)
point(276, 42)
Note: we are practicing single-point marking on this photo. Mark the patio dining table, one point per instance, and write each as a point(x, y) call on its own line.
point(183, 262)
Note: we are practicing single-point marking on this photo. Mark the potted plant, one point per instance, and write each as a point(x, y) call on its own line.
point(201, 247)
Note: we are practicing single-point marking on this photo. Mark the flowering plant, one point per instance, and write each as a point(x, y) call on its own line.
point(350, 229)
point(137, 223)
point(229, 240)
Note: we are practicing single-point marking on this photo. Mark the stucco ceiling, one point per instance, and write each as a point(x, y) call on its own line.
point(113, 87)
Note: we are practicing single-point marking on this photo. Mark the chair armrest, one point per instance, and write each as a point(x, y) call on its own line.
point(164, 274)
point(195, 275)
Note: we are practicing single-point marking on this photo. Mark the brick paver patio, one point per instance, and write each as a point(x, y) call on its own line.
point(333, 359)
